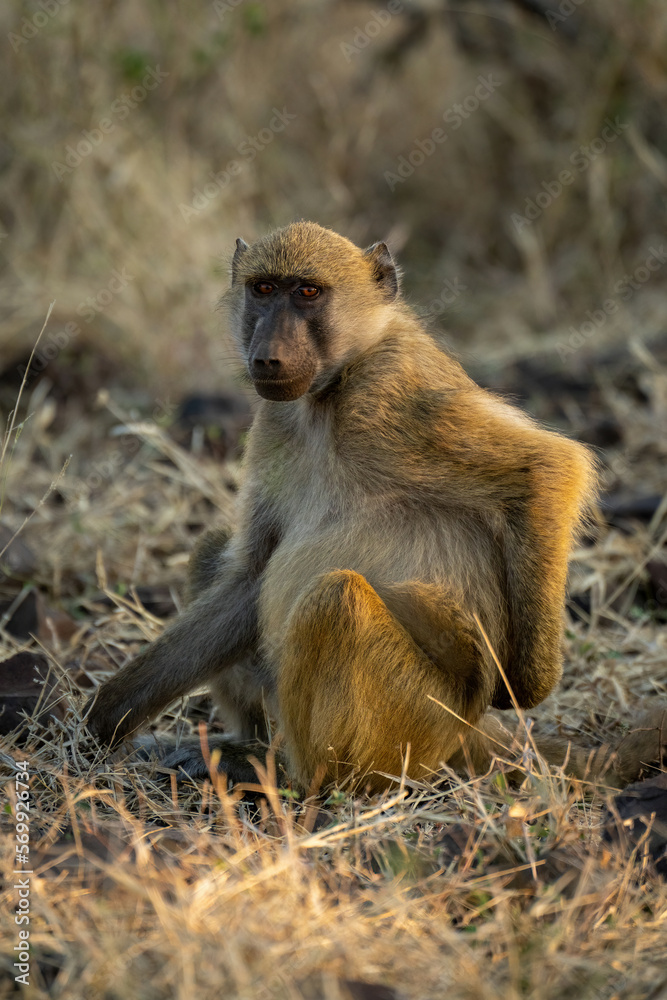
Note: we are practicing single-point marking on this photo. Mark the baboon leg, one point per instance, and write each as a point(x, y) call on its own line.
point(354, 686)
point(205, 560)
point(242, 696)
point(186, 756)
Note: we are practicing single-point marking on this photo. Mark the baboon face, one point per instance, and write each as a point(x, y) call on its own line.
point(284, 319)
point(300, 297)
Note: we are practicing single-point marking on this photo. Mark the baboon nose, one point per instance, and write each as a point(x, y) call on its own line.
point(266, 366)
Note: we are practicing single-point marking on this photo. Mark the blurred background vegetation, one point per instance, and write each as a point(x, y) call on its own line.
point(99, 174)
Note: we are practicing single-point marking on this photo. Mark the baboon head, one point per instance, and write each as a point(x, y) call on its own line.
point(302, 299)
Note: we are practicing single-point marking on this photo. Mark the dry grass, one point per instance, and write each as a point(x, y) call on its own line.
point(467, 889)
point(146, 888)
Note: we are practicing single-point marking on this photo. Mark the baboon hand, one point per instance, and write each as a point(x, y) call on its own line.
point(112, 715)
point(125, 703)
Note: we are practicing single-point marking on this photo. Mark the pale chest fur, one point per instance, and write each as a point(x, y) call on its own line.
point(331, 515)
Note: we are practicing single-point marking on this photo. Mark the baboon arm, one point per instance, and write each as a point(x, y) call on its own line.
point(535, 486)
point(215, 631)
point(218, 628)
point(535, 591)
point(538, 538)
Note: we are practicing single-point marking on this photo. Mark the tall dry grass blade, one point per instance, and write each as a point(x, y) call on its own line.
point(12, 418)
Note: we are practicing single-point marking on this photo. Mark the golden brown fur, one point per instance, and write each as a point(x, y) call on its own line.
point(385, 508)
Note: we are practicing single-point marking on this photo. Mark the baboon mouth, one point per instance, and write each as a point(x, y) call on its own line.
point(282, 389)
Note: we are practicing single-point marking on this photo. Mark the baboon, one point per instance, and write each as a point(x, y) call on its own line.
point(390, 506)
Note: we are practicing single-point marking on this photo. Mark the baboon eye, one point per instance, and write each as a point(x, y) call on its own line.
point(308, 291)
point(263, 287)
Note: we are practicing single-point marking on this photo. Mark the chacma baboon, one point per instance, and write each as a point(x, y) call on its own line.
point(389, 504)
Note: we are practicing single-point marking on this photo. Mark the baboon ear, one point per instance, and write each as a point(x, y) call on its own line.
point(384, 269)
point(241, 247)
